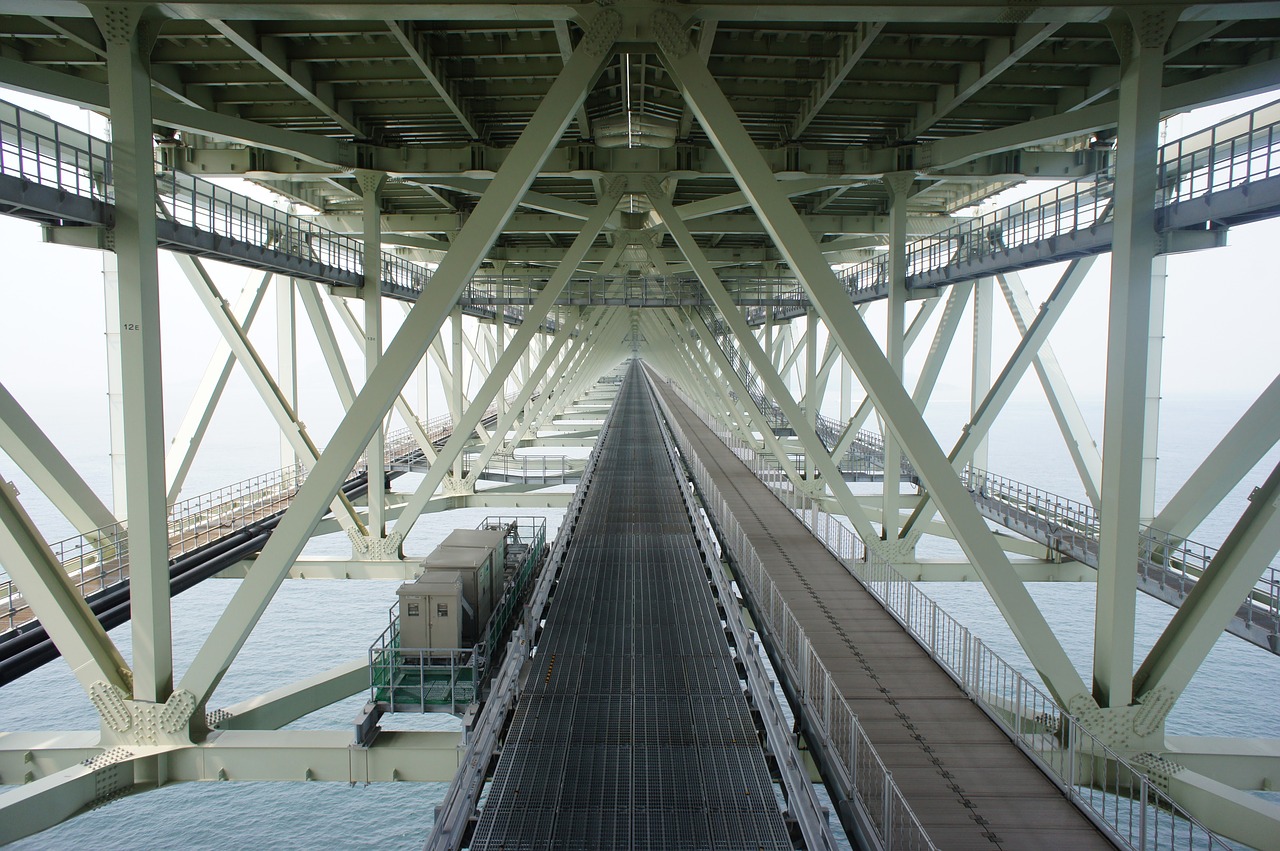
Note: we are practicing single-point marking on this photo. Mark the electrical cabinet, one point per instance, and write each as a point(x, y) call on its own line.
point(476, 568)
point(493, 540)
point(431, 611)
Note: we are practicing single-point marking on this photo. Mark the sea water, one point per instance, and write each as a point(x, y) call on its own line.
point(313, 625)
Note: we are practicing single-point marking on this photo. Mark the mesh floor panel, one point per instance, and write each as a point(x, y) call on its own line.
point(633, 731)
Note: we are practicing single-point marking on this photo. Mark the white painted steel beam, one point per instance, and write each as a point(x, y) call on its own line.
point(287, 704)
point(607, 329)
point(269, 52)
point(50, 800)
point(286, 356)
point(854, 421)
point(541, 308)
point(259, 376)
point(507, 419)
point(1226, 811)
point(1080, 444)
point(1240, 449)
point(980, 382)
point(861, 350)
point(1000, 56)
point(321, 756)
point(371, 184)
point(115, 382)
point(1129, 321)
point(1241, 763)
point(402, 355)
point(129, 38)
point(32, 450)
point(705, 378)
point(948, 325)
point(565, 45)
point(1031, 348)
point(814, 450)
point(853, 46)
point(758, 422)
point(1151, 398)
point(401, 405)
point(1214, 600)
point(55, 600)
point(329, 350)
point(416, 47)
point(899, 188)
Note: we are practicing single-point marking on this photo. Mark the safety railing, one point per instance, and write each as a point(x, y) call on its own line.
point(210, 208)
point(1115, 792)
point(423, 679)
point(884, 809)
point(402, 444)
point(448, 679)
point(1064, 525)
point(1072, 528)
point(1230, 154)
point(644, 290)
point(1238, 151)
point(1064, 209)
point(48, 153)
point(99, 559)
point(505, 466)
point(44, 152)
point(526, 543)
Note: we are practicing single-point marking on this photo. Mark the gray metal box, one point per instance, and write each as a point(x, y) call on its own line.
point(431, 612)
point(485, 539)
point(476, 568)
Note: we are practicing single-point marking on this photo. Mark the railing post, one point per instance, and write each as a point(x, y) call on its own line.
point(888, 811)
point(1142, 813)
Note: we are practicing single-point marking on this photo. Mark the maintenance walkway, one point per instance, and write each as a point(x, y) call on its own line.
point(633, 731)
point(216, 530)
point(969, 785)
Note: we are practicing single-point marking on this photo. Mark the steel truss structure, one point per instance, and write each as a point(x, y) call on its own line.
point(547, 189)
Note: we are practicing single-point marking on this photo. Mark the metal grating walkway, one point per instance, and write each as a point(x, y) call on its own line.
point(633, 731)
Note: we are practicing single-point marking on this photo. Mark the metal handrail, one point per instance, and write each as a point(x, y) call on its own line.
point(884, 810)
point(99, 559)
point(1232, 153)
point(1114, 791)
point(48, 153)
point(1073, 529)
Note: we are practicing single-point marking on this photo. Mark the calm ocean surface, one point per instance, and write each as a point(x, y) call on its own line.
point(314, 625)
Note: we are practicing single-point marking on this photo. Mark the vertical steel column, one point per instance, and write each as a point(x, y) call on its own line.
point(287, 357)
point(115, 395)
point(457, 374)
point(846, 390)
point(898, 186)
point(129, 38)
point(1155, 361)
point(371, 183)
point(983, 298)
point(500, 347)
point(813, 402)
point(1140, 41)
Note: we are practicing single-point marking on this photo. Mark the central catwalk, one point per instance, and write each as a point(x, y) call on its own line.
point(633, 731)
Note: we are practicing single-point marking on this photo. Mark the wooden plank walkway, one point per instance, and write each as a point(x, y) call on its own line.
point(967, 782)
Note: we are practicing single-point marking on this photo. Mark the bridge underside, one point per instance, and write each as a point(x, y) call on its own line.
point(467, 215)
